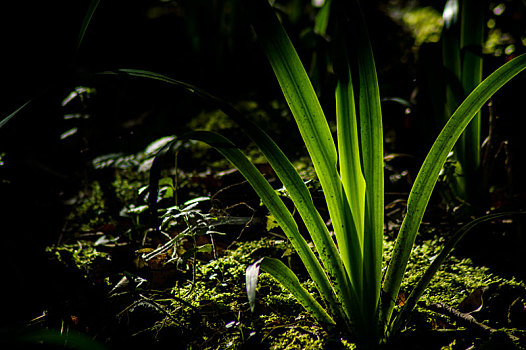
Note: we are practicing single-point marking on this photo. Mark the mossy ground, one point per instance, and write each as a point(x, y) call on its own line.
point(209, 310)
point(189, 297)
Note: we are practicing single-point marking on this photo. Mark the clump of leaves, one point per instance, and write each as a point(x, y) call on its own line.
point(348, 273)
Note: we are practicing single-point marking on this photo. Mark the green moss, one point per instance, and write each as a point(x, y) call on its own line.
point(218, 295)
point(296, 338)
point(211, 311)
point(219, 316)
point(91, 211)
point(81, 255)
point(126, 185)
point(455, 280)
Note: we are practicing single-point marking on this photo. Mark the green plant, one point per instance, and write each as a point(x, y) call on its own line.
point(185, 222)
point(462, 40)
point(347, 273)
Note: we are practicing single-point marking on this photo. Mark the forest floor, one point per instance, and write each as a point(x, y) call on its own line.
point(112, 282)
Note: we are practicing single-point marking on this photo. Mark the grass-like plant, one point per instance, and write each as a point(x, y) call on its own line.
point(347, 271)
point(462, 40)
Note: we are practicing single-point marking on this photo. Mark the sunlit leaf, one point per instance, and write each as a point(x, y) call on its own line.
point(429, 172)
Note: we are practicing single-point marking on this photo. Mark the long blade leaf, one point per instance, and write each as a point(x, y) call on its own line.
point(274, 204)
point(471, 39)
point(10, 116)
point(426, 278)
point(350, 163)
point(371, 142)
point(313, 126)
point(294, 184)
point(428, 175)
point(348, 141)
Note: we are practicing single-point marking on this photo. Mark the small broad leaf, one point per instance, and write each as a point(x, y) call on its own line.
point(167, 181)
point(137, 210)
point(205, 248)
point(271, 222)
point(154, 147)
point(196, 200)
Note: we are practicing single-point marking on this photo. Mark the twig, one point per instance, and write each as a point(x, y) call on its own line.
point(463, 318)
